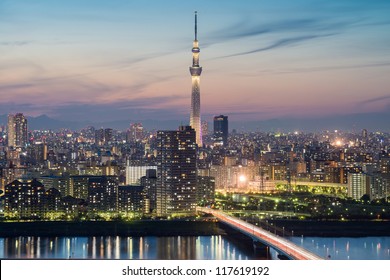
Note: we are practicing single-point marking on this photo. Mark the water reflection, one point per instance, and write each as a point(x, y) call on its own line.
point(345, 248)
point(115, 247)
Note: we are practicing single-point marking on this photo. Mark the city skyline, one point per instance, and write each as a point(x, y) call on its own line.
point(129, 60)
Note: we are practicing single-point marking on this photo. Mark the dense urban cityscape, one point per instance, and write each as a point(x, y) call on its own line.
point(108, 174)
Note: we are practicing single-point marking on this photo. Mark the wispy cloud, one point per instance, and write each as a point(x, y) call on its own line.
point(138, 108)
point(322, 68)
point(375, 99)
point(280, 43)
point(14, 43)
point(245, 28)
point(304, 29)
point(150, 102)
point(8, 87)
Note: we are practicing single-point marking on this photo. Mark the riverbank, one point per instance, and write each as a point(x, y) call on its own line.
point(101, 228)
point(332, 228)
point(192, 228)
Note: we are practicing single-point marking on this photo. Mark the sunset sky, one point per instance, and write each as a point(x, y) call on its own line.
point(129, 59)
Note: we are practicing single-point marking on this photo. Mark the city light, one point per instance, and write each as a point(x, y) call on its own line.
point(338, 143)
point(185, 172)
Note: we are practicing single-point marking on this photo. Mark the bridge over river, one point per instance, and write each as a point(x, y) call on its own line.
point(281, 245)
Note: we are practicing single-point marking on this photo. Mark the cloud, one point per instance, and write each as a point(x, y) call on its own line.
point(139, 108)
point(375, 99)
point(280, 43)
point(20, 64)
point(23, 107)
point(8, 87)
point(246, 29)
point(304, 29)
point(324, 68)
point(14, 43)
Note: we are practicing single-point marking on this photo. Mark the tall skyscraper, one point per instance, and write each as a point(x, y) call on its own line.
point(205, 128)
point(195, 71)
point(11, 130)
point(103, 136)
point(17, 130)
point(176, 172)
point(221, 130)
point(135, 133)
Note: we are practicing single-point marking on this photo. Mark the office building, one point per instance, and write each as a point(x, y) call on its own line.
point(221, 130)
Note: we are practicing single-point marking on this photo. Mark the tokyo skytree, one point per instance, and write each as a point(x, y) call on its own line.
point(195, 71)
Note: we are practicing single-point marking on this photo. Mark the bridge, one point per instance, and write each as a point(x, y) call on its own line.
point(281, 245)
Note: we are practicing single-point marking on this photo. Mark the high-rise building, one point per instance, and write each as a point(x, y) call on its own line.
point(103, 193)
point(221, 130)
point(17, 130)
point(107, 135)
point(53, 203)
point(176, 172)
point(135, 133)
point(103, 136)
point(130, 199)
point(11, 130)
point(24, 199)
point(205, 128)
point(37, 153)
point(379, 185)
point(79, 186)
point(195, 71)
point(135, 172)
point(357, 185)
point(384, 165)
point(61, 183)
point(205, 190)
point(149, 182)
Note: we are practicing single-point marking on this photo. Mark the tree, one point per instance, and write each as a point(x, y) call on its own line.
point(365, 198)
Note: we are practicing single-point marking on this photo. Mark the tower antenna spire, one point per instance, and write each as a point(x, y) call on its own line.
point(196, 25)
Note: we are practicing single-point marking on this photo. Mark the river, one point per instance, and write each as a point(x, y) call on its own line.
point(149, 247)
point(214, 247)
point(347, 248)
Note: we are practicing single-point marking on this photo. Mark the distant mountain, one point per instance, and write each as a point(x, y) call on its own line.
point(353, 122)
point(45, 122)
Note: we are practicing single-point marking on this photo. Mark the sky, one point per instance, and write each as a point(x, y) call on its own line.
point(129, 59)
